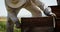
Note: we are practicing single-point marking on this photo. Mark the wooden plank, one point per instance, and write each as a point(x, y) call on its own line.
point(37, 21)
point(37, 24)
point(56, 10)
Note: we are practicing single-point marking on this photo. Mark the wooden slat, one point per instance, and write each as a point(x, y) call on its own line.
point(58, 1)
point(56, 10)
point(37, 24)
point(37, 21)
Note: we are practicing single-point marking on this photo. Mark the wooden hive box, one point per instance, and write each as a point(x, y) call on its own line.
point(39, 23)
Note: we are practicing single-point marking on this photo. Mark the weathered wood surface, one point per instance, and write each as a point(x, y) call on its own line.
point(37, 24)
point(58, 1)
point(38, 21)
point(56, 10)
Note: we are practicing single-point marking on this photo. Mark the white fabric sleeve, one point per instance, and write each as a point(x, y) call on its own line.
point(40, 4)
point(47, 10)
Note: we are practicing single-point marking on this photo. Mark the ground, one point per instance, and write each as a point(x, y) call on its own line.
point(3, 26)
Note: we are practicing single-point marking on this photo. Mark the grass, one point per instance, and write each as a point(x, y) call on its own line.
point(3, 27)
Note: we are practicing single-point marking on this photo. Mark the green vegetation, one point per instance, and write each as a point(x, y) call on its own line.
point(3, 27)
